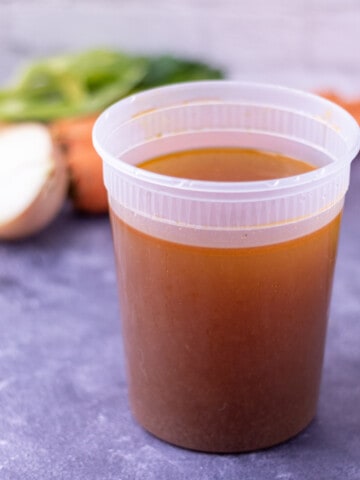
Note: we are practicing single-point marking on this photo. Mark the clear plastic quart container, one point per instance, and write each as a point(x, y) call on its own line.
point(225, 286)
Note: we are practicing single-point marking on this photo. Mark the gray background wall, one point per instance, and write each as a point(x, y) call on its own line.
point(305, 43)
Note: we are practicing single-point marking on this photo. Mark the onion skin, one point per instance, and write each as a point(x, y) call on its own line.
point(45, 206)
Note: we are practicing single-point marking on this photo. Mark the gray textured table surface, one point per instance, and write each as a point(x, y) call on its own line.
point(63, 405)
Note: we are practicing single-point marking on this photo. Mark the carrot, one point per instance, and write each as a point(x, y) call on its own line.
point(87, 191)
point(351, 105)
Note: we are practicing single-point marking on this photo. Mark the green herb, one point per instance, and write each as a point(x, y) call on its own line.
point(81, 84)
point(167, 69)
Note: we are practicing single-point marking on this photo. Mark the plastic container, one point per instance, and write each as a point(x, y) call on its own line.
point(225, 286)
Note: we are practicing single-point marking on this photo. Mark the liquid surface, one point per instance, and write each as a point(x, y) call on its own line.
point(224, 346)
point(227, 164)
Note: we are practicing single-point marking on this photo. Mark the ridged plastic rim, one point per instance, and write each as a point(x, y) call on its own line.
point(229, 187)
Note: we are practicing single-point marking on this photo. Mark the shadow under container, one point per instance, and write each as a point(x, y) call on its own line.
point(225, 286)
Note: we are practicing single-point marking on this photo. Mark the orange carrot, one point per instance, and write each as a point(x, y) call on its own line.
point(351, 105)
point(87, 190)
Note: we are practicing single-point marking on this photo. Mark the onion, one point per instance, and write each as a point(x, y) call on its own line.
point(33, 180)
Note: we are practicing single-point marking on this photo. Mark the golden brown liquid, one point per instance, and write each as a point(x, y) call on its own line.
point(224, 345)
point(226, 165)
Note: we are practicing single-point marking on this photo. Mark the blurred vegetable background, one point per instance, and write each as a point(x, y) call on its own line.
point(85, 83)
point(66, 93)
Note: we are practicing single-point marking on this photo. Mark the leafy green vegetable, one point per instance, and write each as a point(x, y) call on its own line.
point(167, 69)
point(81, 84)
point(71, 85)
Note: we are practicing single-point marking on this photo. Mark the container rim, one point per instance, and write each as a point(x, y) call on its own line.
point(352, 141)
